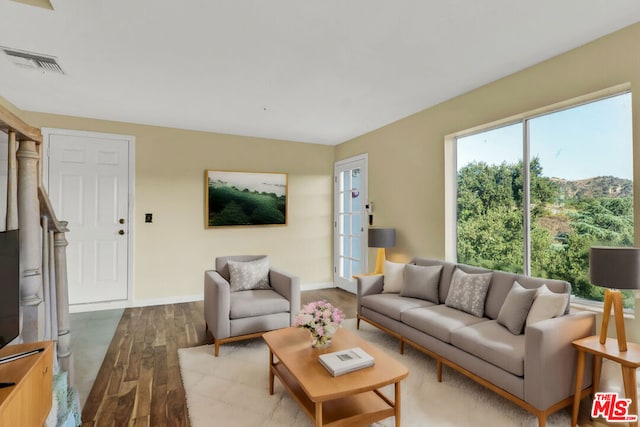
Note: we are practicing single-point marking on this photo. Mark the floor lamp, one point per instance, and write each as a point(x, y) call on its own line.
point(381, 238)
point(614, 269)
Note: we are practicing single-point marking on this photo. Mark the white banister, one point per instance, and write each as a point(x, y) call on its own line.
point(43, 244)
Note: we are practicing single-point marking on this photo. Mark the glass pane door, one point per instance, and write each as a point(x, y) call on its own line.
point(350, 247)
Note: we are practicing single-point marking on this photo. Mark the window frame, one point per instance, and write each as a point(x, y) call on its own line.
point(451, 176)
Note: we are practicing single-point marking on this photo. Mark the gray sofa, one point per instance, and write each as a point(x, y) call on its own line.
point(534, 369)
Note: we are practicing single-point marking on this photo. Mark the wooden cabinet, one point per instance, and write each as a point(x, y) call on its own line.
point(28, 402)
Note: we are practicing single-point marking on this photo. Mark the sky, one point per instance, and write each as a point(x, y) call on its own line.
point(590, 140)
point(262, 182)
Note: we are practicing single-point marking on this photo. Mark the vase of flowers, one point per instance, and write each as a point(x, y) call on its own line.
point(322, 319)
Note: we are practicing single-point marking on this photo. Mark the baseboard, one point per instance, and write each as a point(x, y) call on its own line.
point(111, 305)
point(98, 306)
point(314, 286)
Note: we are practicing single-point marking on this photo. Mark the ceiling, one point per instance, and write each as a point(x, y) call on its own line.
point(302, 70)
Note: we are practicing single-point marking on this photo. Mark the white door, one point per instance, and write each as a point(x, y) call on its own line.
point(89, 188)
point(350, 239)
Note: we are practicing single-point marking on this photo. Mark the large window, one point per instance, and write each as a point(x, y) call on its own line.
point(577, 192)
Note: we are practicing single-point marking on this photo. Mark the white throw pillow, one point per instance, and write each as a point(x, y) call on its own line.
point(249, 275)
point(393, 277)
point(546, 305)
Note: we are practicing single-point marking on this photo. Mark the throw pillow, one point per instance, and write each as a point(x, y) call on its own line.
point(468, 292)
point(547, 305)
point(515, 308)
point(393, 277)
point(421, 282)
point(249, 275)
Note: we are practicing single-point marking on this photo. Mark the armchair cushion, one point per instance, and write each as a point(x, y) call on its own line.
point(256, 303)
point(246, 275)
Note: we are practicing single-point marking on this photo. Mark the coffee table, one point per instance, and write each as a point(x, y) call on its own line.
point(353, 399)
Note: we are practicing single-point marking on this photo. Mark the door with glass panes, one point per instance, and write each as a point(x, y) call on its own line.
point(350, 237)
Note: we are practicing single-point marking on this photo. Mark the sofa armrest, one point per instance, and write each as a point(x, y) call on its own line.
point(550, 359)
point(368, 285)
point(288, 286)
point(217, 292)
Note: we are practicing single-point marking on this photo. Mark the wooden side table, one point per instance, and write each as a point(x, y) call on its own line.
point(629, 361)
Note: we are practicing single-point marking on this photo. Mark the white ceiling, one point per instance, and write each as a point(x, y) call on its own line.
point(302, 70)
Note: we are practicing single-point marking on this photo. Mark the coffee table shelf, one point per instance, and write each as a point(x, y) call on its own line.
point(353, 399)
point(360, 409)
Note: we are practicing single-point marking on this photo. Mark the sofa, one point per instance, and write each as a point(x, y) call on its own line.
point(506, 331)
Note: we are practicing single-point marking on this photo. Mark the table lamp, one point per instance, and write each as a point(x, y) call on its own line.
point(381, 238)
point(614, 269)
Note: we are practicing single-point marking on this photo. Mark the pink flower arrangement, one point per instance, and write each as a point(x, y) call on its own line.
point(322, 319)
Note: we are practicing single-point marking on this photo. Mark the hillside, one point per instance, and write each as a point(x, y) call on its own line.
point(600, 186)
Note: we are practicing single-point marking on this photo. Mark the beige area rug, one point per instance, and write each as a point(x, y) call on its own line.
point(233, 390)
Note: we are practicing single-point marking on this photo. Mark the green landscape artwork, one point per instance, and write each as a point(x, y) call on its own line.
point(245, 198)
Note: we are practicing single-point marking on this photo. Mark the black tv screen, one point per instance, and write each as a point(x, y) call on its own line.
point(9, 286)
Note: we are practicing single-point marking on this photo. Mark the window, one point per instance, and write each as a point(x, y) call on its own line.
point(577, 192)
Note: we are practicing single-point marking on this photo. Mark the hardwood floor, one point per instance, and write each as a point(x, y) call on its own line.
point(139, 381)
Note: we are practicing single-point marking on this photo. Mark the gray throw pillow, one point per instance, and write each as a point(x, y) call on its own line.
point(515, 308)
point(249, 275)
point(468, 292)
point(421, 282)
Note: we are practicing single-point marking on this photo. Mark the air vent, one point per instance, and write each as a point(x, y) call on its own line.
point(33, 60)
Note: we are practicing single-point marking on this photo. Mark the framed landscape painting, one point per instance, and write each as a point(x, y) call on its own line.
point(245, 198)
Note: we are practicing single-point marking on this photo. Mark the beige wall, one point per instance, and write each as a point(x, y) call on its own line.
point(172, 253)
point(406, 158)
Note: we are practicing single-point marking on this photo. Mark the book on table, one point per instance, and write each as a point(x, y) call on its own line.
point(345, 361)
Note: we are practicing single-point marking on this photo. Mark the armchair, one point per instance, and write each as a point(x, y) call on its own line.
point(243, 314)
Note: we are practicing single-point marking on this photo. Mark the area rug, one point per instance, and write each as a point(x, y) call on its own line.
point(233, 390)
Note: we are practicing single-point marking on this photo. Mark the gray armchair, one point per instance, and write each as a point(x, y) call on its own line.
point(234, 316)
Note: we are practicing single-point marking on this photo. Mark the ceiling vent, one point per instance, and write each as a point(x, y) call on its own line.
point(33, 60)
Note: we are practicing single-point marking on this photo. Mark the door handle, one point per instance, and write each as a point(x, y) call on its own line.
point(121, 232)
point(121, 220)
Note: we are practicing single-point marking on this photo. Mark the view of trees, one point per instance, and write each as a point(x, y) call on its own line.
point(567, 218)
point(229, 205)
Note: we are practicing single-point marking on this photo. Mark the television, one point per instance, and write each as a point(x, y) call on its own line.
point(9, 286)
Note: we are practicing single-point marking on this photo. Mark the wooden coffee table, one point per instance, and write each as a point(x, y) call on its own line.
point(352, 399)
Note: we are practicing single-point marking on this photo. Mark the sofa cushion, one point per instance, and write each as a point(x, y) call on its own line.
point(245, 275)
point(546, 305)
point(516, 307)
point(492, 343)
point(439, 321)
point(445, 276)
point(392, 305)
point(393, 277)
point(256, 303)
point(421, 282)
point(468, 292)
point(501, 283)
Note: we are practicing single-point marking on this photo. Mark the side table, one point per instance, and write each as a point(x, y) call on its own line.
point(629, 361)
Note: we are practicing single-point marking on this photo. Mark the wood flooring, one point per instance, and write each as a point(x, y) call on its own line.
point(139, 381)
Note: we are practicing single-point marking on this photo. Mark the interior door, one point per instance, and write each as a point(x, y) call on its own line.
point(89, 188)
point(350, 239)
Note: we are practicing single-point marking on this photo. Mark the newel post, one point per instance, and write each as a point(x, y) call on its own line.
point(30, 243)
